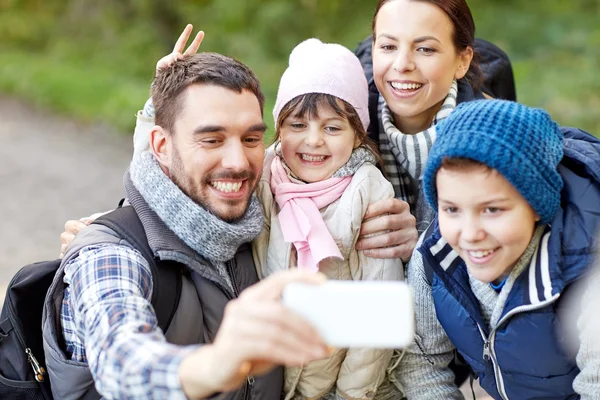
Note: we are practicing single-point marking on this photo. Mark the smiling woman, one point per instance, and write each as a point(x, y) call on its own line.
point(419, 66)
point(418, 50)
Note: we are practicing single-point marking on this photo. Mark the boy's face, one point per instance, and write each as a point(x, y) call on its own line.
point(485, 220)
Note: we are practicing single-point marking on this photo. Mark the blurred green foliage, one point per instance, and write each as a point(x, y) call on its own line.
point(94, 60)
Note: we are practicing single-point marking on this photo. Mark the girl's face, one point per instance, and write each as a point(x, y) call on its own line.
point(316, 147)
point(485, 220)
point(415, 61)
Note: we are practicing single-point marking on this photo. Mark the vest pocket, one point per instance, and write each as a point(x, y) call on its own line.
point(13, 389)
point(535, 387)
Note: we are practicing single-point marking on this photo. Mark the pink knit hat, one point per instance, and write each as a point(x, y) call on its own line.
point(317, 67)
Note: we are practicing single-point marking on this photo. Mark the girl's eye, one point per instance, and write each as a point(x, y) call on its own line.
point(387, 47)
point(426, 50)
point(332, 129)
point(297, 125)
point(450, 210)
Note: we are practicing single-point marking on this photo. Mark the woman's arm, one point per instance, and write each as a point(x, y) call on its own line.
point(364, 370)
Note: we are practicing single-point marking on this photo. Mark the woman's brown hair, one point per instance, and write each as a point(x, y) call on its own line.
point(307, 105)
point(463, 32)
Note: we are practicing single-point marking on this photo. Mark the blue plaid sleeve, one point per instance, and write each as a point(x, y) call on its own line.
point(109, 322)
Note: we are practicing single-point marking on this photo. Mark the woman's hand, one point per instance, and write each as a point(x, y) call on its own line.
point(72, 228)
point(388, 230)
point(178, 52)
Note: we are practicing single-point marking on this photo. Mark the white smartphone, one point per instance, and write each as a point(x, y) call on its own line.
point(356, 314)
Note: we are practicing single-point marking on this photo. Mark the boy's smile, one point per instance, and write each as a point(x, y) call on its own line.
point(485, 220)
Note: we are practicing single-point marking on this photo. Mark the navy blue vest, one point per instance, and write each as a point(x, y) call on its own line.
point(525, 356)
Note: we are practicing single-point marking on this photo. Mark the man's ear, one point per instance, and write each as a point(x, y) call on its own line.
point(160, 145)
point(465, 58)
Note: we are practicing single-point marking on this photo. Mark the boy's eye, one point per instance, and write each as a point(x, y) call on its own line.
point(450, 210)
point(426, 50)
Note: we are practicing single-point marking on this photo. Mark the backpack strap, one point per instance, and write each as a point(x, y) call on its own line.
point(166, 277)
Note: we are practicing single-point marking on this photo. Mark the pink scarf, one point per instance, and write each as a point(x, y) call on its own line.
point(300, 219)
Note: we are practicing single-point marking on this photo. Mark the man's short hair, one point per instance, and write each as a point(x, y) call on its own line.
point(208, 68)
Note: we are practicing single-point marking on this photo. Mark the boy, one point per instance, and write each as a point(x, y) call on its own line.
point(518, 202)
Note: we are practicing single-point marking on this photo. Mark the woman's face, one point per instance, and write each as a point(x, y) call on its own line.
point(415, 61)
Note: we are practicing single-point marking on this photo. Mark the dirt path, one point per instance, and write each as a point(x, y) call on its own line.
point(52, 170)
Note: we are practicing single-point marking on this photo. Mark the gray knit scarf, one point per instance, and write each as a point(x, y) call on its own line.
point(405, 156)
point(207, 234)
point(360, 156)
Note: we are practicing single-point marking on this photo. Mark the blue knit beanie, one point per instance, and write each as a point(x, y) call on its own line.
point(521, 143)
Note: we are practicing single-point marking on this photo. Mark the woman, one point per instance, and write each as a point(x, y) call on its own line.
point(421, 63)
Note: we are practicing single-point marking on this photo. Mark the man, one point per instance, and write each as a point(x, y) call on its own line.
point(388, 231)
point(193, 195)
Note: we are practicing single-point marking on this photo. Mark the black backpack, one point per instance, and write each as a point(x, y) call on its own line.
point(22, 365)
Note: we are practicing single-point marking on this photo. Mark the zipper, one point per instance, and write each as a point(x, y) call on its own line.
point(38, 370)
point(248, 385)
point(489, 352)
point(489, 355)
point(229, 266)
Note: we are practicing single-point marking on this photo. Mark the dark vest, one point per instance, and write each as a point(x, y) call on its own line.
point(204, 295)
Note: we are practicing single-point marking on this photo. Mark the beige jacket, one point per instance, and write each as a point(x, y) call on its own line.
point(356, 372)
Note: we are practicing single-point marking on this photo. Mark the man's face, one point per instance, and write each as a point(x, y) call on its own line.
point(217, 148)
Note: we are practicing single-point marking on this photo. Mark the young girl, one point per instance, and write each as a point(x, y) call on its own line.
point(315, 190)
point(518, 213)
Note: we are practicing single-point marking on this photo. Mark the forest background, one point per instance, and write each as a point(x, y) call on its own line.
point(94, 60)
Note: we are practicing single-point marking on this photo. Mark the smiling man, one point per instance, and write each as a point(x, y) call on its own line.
point(193, 194)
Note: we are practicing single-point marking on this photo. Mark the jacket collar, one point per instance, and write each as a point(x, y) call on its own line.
point(539, 283)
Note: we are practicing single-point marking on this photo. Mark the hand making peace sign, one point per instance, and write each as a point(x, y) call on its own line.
point(178, 52)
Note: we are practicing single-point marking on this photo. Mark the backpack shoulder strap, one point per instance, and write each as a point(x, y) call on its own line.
point(166, 277)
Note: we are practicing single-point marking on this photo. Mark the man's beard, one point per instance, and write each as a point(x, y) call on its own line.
point(194, 191)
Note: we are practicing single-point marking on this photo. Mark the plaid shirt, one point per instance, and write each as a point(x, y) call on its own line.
point(108, 322)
